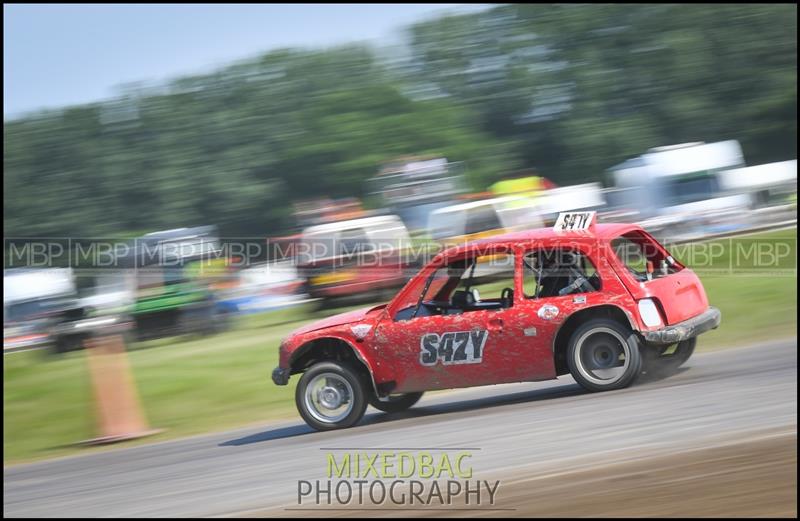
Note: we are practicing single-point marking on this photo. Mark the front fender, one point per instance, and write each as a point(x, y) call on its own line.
point(294, 349)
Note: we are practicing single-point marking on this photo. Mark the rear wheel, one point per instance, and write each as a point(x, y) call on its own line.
point(665, 360)
point(395, 402)
point(330, 395)
point(603, 355)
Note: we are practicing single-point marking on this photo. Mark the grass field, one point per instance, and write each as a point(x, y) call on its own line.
point(752, 280)
point(191, 386)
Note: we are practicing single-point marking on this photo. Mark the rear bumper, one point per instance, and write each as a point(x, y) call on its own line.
point(693, 327)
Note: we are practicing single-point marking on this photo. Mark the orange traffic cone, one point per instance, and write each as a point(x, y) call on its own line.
point(119, 414)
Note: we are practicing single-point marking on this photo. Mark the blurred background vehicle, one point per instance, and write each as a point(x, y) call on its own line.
point(587, 197)
point(43, 308)
point(354, 259)
point(696, 189)
point(472, 220)
point(412, 187)
point(32, 299)
point(262, 287)
point(110, 290)
point(771, 187)
point(175, 271)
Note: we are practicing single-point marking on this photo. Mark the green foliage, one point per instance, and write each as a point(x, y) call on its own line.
point(231, 148)
point(570, 90)
point(588, 86)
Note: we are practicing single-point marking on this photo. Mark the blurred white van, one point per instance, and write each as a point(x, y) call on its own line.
point(464, 222)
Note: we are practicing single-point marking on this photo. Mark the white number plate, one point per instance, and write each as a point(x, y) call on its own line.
point(461, 347)
point(574, 221)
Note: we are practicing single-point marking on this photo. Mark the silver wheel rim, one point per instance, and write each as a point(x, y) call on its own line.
point(328, 398)
point(602, 356)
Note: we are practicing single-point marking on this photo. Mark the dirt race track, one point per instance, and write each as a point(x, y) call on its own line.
point(753, 478)
point(748, 479)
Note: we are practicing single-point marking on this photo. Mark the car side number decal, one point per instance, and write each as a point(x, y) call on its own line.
point(460, 347)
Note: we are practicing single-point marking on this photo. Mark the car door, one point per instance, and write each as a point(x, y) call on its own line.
point(444, 348)
point(548, 309)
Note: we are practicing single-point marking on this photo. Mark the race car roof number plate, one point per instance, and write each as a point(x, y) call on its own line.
point(569, 221)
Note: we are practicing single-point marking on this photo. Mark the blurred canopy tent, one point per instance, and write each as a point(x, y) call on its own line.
point(528, 187)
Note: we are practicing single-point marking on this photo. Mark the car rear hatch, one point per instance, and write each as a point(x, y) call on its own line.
point(676, 289)
point(680, 295)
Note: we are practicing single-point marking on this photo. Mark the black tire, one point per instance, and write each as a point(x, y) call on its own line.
point(60, 345)
point(197, 321)
point(657, 363)
point(67, 343)
point(396, 402)
point(208, 319)
point(221, 319)
point(594, 352)
point(343, 384)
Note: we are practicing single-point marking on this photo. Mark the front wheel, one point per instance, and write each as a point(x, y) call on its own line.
point(330, 396)
point(395, 402)
point(603, 355)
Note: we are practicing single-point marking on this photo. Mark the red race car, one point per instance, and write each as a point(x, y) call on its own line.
point(603, 302)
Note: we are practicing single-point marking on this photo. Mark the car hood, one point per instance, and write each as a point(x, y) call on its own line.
point(341, 319)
